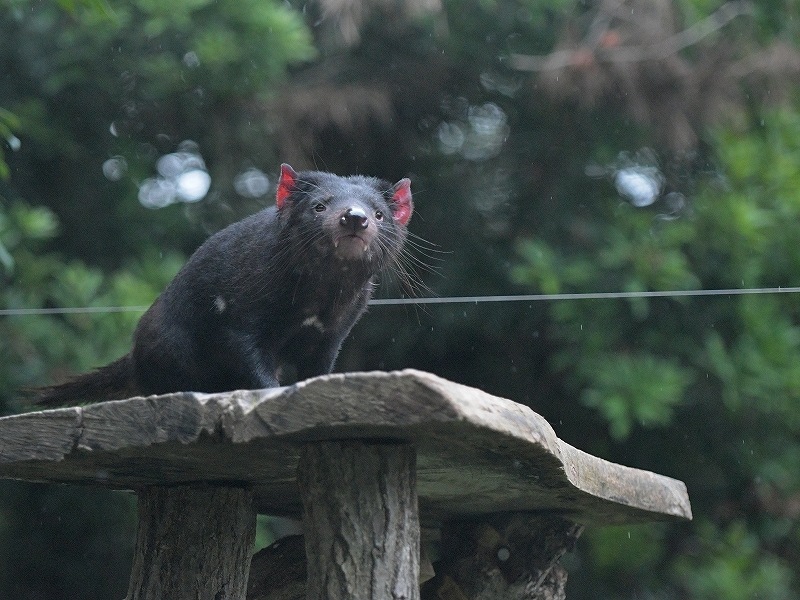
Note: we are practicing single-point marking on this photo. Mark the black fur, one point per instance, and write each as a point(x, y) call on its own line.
point(275, 293)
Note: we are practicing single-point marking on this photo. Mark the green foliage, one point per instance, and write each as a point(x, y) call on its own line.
point(235, 48)
point(8, 123)
point(635, 549)
point(140, 96)
point(32, 344)
point(730, 563)
point(759, 367)
point(21, 225)
point(227, 47)
point(672, 363)
point(620, 370)
point(739, 235)
point(632, 390)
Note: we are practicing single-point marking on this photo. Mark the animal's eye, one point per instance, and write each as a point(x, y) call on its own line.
point(320, 207)
point(379, 215)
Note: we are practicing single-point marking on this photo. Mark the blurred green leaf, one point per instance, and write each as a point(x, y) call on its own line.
point(730, 564)
point(634, 389)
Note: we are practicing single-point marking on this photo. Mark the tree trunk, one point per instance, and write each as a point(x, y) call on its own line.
point(360, 519)
point(193, 543)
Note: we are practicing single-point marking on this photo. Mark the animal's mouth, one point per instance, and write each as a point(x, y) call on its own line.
point(350, 246)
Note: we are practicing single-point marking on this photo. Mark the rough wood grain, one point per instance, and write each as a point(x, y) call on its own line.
point(193, 543)
point(476, 453)
point(360, 520)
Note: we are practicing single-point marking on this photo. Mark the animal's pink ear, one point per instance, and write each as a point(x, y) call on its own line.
point(402, 206)
point(285, 184)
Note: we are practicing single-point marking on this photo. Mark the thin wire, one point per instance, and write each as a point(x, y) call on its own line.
point(583, 296)
point(13, 312)
point(450, 300)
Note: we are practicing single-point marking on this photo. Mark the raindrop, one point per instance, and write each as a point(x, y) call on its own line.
point(426, 123)
point(595, 171)
point(182, 178)
point(508, 86)
point(170, 165)
point(189, 146)
point(191, 60)
point(487, 118)
point(640, 185)
point(130, 109)
point(451, 137)
point(14, 142)
point(193, 185)
point(457, 108)
point(675, 204)
point(157, 192)
point(164, 141)
point(252, 183)
point(146, 151)
point(127, 79)
point(488, 131)
point(115, 168)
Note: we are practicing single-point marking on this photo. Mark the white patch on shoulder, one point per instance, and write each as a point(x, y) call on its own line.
point(219, 304)
point(313, 321)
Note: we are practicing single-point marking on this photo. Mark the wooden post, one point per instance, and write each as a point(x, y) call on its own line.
point(193, 543)
point(361, 521)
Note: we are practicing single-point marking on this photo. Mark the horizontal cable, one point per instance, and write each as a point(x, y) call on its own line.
point(75, 310)
point(583, 296)
point(451, 300)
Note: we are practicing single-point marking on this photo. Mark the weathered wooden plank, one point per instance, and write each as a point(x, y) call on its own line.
point(29, 437)
point(476, 453)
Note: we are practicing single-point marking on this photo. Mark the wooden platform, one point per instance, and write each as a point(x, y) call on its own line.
point(475, 455)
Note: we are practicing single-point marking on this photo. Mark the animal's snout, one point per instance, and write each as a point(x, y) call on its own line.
point(354, 219)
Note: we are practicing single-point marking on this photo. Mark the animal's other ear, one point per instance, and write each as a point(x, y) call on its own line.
point(285, 185)
point(402, 205)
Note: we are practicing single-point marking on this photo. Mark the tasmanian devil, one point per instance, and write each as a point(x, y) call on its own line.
point(274, 293)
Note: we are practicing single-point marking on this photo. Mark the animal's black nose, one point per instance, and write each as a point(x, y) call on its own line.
point(354, 218)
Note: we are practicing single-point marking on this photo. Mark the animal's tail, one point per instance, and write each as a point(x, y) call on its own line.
point(114, 381)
